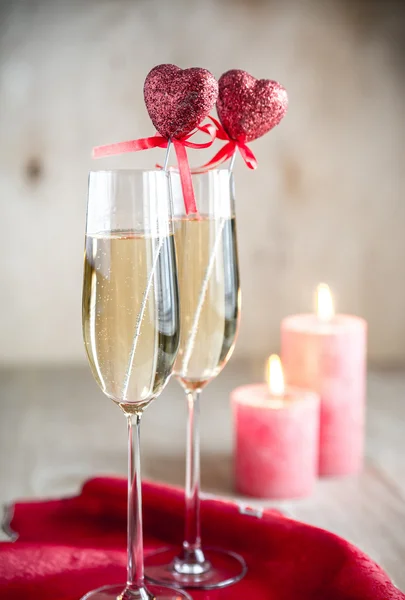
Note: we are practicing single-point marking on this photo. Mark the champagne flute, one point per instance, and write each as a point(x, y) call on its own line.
point(131, 324)
point(209, 316)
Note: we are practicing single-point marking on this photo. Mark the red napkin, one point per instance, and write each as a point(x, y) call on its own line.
point(68, 547)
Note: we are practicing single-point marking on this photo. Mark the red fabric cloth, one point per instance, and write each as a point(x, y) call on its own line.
point(68, 547)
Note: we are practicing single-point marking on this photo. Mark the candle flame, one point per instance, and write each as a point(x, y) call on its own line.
point(324, 302)
point(275, 376)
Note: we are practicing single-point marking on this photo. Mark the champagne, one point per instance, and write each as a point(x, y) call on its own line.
point(130, 315)
point(209, 297)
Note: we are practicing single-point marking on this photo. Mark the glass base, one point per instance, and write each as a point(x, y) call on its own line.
point(150, 592)
point(224, 568)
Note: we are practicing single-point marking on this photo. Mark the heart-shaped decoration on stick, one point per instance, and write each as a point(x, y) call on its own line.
point(178, 100)
point(248, 107)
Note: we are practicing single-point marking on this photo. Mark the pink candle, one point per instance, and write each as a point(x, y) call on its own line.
point(276, 440)
point(327, 353)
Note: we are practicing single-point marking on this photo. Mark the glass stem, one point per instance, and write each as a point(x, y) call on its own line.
point(192, 560)
point(135, 574)
point(192, 539)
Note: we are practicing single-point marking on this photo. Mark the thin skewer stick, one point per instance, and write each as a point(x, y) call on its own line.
point(204, 287)
point(144, 299)
point(232, 163)
point(201, 299)
point(165, 164)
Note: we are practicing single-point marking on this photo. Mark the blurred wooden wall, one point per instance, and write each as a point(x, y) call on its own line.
point(327, 202)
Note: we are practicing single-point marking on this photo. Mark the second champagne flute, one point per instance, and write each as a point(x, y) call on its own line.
point(209, 315)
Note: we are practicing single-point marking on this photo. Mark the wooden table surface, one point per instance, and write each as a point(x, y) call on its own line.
point(57, 429)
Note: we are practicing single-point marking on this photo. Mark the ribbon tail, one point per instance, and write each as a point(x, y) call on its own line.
point(220, 133)
point(247, 156)
point(209, 130)
point(185, 177)
point(220, 157)
point(156, 141)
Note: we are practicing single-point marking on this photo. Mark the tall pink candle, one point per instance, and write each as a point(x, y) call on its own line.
point(276, 441)
point(328, 355)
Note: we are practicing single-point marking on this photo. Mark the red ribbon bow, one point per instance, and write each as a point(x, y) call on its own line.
point(227, 151)
point(158, 141)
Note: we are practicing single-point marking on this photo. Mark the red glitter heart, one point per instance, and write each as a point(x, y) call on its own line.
point(178, 100)
point(248, 107)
